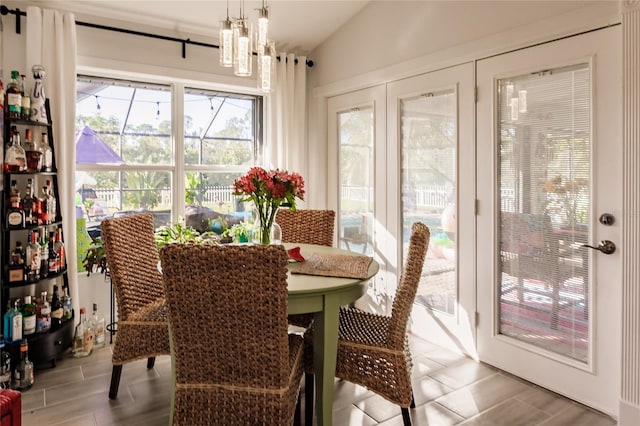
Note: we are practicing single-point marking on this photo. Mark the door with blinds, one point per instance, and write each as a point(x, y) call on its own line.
point(430, 163)
point(549, 185)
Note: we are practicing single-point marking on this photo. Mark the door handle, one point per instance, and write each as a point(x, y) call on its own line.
point(605, 246)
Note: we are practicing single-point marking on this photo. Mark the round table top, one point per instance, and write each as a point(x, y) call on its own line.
point(301, 284)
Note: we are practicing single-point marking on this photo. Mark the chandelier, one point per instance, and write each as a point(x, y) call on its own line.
point(236, 46)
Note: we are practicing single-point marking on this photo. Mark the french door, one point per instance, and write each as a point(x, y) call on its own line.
point(431, 166)
point(549, 183)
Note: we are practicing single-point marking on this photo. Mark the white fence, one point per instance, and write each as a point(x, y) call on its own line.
point(424, 197)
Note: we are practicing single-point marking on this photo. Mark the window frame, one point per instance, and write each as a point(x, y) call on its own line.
point(177, 167)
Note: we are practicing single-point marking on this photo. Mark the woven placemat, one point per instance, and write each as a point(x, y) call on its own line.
point(331, 265)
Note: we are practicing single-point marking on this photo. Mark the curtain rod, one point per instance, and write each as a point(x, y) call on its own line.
point(4, 10)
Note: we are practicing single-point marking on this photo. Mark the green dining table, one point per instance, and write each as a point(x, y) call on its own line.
point(323, 296)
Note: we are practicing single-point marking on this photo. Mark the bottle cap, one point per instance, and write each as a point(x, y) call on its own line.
point(95, 306)
point(83, 310)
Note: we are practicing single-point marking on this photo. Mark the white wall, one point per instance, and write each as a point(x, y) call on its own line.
point(390, 40)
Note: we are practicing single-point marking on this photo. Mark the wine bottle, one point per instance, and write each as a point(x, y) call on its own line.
point(98, 324)
point(28, 316)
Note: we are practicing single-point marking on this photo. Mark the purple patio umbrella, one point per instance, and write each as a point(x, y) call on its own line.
point(90, 149)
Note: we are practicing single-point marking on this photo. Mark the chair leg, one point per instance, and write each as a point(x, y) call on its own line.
point(151, 361)
point(308, 398)
point(406, 417)
point(413, 401)
point(115, 381)
point(297, 415)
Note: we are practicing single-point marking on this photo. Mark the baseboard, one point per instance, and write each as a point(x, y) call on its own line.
point(628, 414)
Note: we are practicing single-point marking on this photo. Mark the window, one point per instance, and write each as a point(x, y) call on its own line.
point(131, 154)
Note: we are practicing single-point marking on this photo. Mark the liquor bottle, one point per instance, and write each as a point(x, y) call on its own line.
point(23, 374)
point(43, 314)
point(98, 324)
point(28, 316)
point(7, 322)
point(67, 304)
point(16, 322)
point(15, 159)
point(14, 99)
point(58, 246)
point(33, 152)
point(49, 206)
point(38, 110)
point(27, 205)
point(5, 367)
point(15, 214)
point(44, 253)
point(57, 310)
point(83, 337)
point(17, 269)
point(25, 110)
point(32, 257)
point(54, 259)
point(47, 154)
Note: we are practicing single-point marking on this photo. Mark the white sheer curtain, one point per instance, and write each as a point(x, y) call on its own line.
point(287, 116)
point(51, 42)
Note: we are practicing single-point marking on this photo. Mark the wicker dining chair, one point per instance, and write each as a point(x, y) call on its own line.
point(132, 258)
point(307, 226)
point(373, 350)
point(233, 360)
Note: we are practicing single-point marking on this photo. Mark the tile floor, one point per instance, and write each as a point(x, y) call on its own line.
point(449, 389)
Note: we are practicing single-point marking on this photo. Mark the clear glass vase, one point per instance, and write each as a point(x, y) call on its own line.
point(266, 235)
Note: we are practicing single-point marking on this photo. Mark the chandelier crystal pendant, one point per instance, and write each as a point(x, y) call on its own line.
point(226, 41)
point(243, 52)
point(267, 67)
point(263, 25)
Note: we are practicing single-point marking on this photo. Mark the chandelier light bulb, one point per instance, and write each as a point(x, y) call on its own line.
point(263, 27)
point(226, 43)
point(267, 67)
point(243, 52)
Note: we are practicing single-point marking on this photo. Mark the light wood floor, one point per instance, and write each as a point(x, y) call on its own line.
point(449, 389)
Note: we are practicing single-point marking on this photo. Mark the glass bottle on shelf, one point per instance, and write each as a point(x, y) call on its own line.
point(58, 246)
point(16, 322)
point(49, 207)
point(57, 310)
point(54, 259)
point(28, 205)
point(15, 159)
point(28, 316)
point(66, 304)
point(32, 257)
point(98, 324)
point(43, 314)
point(14, 99)
point(33, 152)
point(25, 110)
point(15, 213)
point(7, 322)
point(38, 110)
point(23, 374)
point(16, 264)
point(5, 367)
point(44, 253)
point(47, 154)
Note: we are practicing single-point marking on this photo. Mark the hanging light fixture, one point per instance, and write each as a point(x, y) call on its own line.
point(267, 67)
point(236, 46)
point(226, 41)
point(242, 58)
point(263, 25)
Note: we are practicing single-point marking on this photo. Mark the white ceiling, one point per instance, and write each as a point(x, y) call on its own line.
point(297, 26)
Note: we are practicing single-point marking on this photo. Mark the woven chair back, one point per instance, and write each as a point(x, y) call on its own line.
point(408, 285)
point(307, 226)
point(227, 309)
point(132, 258)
